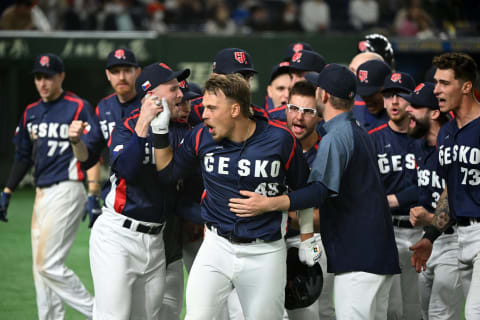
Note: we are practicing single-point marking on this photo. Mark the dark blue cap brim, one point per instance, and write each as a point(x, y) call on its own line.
point(365, 91)
point(122, 63)
point(46, 71)
point(189, 95)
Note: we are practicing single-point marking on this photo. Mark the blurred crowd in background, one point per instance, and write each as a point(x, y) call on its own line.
point(407, 18)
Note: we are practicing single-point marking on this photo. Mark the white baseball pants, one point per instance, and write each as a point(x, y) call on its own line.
point(128, 269)
point(56, 217)
point(173, 298)
point(256, 270)
point(441, 292)
point(361, 295)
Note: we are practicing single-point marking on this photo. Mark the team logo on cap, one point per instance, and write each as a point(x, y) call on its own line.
point(297, 57)
point(363, 76)
point(45, 61)
point(214, 65)
point(362, 46)
point(297, 47)
point(146, 85)
point(240, 56)
point(396, 77)
point(284, 64)
point(419, 88)
point(120, 54)
point(183, 84)
point(165, 66)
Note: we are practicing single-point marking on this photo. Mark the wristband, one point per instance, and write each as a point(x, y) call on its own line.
point(305, 220)
point(160, 141)
point(431, 233)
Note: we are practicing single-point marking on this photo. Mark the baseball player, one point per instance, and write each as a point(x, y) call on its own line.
point(41, 141)
point(279, 86)
point(127, 255)
point(301, 63)
point(396, 163)
point(173, 233)
point(355, 222)
point(236, 152)
point(370, 79)
point(440, 286)
point(228, 61)
point(302, 120)
point(121, 71)
point(458, 150)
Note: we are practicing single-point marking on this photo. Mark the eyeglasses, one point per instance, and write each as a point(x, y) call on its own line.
point(307, 112)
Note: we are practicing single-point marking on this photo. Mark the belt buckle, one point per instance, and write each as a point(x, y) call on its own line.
point(150, 229)
point(474, 220)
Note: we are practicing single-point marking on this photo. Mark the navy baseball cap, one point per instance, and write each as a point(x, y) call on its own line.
point(121, 56)
point(422, 96)
point(399, 81)
point(232, 60)
point(190, 90)
point(48, 64)
point(371, 76)
point(295, 47)
point(337, 80)
point(306, 60)
point(279, 69)
point(156, 74)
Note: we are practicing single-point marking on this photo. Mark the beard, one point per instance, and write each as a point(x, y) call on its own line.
point(420, 129)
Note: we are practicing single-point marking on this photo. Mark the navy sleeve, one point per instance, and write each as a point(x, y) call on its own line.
point(311, 196)
point(23, 142)
point(127, 152)
point(408, 196)
point(184, 162)
point(296, 166)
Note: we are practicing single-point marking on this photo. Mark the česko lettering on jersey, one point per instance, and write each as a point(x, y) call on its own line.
point(459, 160)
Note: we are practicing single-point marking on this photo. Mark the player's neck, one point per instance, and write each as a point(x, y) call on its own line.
point(431, 136)
point(244, 129)
point(468, 110)
point(122, 98)
point(399, 126)
point(309, 141)
point(330, 112)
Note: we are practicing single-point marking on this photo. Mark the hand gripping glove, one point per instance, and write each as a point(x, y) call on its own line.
point(309, 252)
point(4, 201)
point(93, 209)
point(160, 123)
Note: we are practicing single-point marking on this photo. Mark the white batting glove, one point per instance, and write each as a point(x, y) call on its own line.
point(309, 251)
point(160, 123)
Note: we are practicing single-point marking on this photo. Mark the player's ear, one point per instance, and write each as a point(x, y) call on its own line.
point(62, 76)
point(434, 114)
point(138, 71)
point(107, 74)
point(236, 110)
point(269, 91)
point(467, 87)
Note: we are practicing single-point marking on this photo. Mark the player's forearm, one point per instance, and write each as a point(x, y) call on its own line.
point(163, 157)
point(93, 179)
point(17, 172)
point(441, 219)
point(80, 150)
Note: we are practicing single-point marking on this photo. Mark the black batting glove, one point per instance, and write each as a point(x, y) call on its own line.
point(4, 201)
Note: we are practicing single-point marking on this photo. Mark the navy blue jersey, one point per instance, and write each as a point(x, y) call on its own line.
point(312, 153)
point(111, 111)
point(395, 162)
point(266, 163)
point(278, 114)
point(459, 158)
point(355, 223)
point(430, 183)
point(365, 118)
point(133, 188)
point(41, 138)
point(196, 112)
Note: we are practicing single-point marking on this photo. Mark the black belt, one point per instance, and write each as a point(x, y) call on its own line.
point(230, 236)
point(402, 223)
point(466, 221)
point(144, 228)
point(450, 230)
